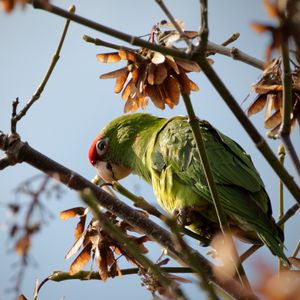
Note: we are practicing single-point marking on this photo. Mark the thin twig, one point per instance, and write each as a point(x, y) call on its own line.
point(191, 259)
point(249, 252)
point(13, 120)
point(38, 92)
point(231, 39)
point(58, 276)
point(281, 156)
point(293, 23)
point(289, 213)
point(297, 249)
point(135, 41)
point(165, 9)
point(285, 128)
point(102, 43)
point(221, 216)
point(140, 202)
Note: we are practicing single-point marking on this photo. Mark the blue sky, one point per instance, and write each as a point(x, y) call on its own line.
point(76, 104)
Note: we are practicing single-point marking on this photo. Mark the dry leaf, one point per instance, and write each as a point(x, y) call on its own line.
point(257, 105)
point(160, 74)
point(72, 212)
point(76, 246)
point(274, 120)
point(23, 245)
point(271, 8)
point(79, 227)
point(115, 74)
point(295, 261)
point(120, 81)
point(112, 57)
point(130, 56)
point(188, 65)
point(81, 260)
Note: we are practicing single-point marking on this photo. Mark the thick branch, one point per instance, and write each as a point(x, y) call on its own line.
point(258, 140)
point(151, 229)
point(128, 244)
point(133, 40)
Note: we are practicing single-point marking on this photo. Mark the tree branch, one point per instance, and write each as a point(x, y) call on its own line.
point(140, 202)
point(133, 40)
point(209, 72)
point(17, 117)
point(115, 232)
point(285, 128)
point(58, 276)
point(167, 12)
point(258, 140)
point(76, 182)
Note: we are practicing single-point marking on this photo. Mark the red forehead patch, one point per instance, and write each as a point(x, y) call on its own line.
point(93, 155)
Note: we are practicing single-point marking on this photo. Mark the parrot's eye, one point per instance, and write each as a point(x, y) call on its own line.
point(101, 146)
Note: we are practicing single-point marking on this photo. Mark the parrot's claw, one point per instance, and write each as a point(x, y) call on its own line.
point(183, 216)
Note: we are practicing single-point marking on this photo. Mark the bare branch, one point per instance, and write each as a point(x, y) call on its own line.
point(5, 162)
point(102, 43)
point(173, 21)
point(59, 276)
point(75, 181)
point(297, 249)
point(88, 197)
point(135, 41)
point(289, 213)
point(231, 39)
point(285, 128)
point(17, 117)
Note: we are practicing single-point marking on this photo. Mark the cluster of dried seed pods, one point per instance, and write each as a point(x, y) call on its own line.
point(150, 74)
point(269, 89)
point(97, 244)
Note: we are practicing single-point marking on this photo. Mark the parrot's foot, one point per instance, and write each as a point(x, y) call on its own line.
point(183, 216)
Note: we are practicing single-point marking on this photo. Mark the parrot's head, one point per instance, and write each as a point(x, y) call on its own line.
point(107, 153)
point(120, 147)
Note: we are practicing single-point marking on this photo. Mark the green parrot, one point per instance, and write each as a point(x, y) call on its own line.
point(163, 152)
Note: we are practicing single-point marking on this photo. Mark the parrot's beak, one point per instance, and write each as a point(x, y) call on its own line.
point(110, 172)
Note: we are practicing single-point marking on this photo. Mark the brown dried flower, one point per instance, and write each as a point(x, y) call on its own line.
point(8, 5)
point(95, 243)
point(150, 74)
point(278, 33)
point(269, 89)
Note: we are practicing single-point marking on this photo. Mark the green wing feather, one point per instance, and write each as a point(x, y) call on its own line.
point(179, 181)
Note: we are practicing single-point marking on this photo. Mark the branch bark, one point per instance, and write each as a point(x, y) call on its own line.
point(211, 75)
point(24, 153)
point(135, 41)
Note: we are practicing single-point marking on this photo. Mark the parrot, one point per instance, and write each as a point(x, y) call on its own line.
point(163, 152)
